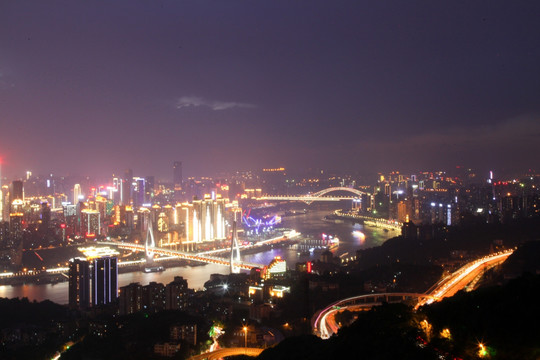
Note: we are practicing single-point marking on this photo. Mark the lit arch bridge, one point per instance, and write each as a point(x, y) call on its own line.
point(324, 325)
point(221, 353)
point(318, 196)
point(181, 255)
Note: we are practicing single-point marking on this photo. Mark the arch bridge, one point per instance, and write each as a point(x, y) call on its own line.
point(318, 196)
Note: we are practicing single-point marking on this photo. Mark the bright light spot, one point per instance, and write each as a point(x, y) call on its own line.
point(445, 333)
point(482, 350)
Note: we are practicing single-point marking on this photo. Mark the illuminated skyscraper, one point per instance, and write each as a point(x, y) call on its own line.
point(204, 220)
point(90, 223)
point(77, 193)
point(79, 283)
point(104, 280)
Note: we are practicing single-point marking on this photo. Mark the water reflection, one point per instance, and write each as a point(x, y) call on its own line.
point(352, 237)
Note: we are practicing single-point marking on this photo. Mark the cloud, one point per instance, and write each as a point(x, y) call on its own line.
point(188, 101)
point(509, 143)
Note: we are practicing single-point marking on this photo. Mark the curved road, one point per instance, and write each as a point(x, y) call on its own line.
point(324, 324)
point(221, 353)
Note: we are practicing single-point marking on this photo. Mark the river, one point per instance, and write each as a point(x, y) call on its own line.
point(310, 224)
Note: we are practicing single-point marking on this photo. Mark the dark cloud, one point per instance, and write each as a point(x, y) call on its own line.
point(188, 101)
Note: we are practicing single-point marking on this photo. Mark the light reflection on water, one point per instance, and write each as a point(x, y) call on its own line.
point(310, 224)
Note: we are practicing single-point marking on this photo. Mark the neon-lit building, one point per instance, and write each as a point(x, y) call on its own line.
point(104, 280)
point(276, 268)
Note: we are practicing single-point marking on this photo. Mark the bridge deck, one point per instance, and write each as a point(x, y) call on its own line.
point(181, 254)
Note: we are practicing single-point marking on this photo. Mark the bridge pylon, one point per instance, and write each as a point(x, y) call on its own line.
point(235, 248)
point(149, 243)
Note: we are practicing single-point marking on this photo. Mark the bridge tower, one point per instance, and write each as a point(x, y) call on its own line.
point(235, 248)
point(149, 243)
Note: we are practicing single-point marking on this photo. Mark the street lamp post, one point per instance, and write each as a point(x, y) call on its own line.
point(245, 336)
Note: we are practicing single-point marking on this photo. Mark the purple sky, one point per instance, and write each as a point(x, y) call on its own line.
point(93, 87)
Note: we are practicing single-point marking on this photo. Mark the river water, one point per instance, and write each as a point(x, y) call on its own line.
point(352, 237)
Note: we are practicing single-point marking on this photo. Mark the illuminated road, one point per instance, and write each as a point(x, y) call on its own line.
point(221, 353)
point(372, 221)
point(459, 279)
point(324, 324)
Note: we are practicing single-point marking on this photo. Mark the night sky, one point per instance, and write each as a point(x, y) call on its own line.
point(94, 87)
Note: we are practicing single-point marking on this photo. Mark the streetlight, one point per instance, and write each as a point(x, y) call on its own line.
point(245, 336)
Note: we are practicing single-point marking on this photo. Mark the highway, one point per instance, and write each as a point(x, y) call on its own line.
point(324, 324)
point(221, 353)
point(459, 279)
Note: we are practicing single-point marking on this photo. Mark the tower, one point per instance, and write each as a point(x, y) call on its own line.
point(104, 281)
point(79, 283)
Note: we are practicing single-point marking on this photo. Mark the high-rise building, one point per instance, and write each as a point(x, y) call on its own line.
point(71, 219)
point(126, 187)
point(177, 175)
point(176, 294)
point(149, 189)
point(139, 192)
point(90, 223)
point(130, 299)
point(17, 192)
point(5, 203)
point(117, 190)
point(211, 217)
point(153, 296)
point(104, 281)
point(45, 215)
point(77, 193)
point(79, 283)
point(16, 216)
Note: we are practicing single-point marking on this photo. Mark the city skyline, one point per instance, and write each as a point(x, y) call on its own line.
point(285, 180)
point(95, 88)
